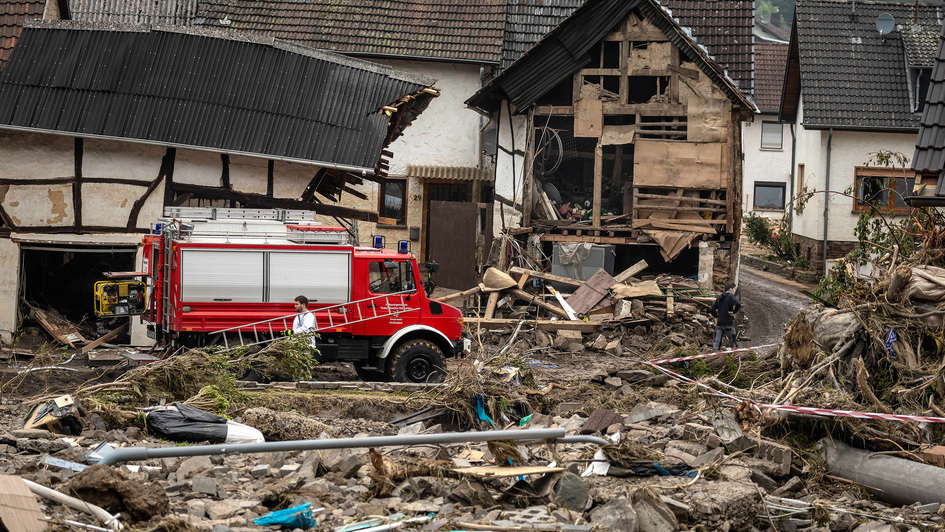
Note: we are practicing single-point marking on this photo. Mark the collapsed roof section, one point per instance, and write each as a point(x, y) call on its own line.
point(208, 90)
point(564, 51)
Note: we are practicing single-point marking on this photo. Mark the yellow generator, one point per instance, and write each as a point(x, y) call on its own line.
point(120, 298)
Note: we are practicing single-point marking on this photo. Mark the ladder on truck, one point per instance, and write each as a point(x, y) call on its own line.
point(340, 315)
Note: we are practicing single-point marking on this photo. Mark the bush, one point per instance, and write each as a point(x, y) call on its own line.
point(757, 230)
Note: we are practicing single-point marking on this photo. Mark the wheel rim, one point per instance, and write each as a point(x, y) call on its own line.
point(418, 369)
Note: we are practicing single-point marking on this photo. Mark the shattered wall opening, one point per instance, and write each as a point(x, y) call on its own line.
point(63, 277)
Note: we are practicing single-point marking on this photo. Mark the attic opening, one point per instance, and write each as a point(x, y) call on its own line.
point(63, 278)
point(643, 89)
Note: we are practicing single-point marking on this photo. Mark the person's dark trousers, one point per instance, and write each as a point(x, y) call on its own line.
point(729, 331)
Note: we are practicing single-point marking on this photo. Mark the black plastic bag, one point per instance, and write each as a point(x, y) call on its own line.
point(185, 423)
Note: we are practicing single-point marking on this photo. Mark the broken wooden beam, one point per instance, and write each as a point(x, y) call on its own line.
point(525, 296)
point(111, 335)
point(544, 325)
point(457, 295)
point(547, 276)
point(630, 272)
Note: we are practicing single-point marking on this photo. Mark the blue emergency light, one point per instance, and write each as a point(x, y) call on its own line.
point(379, 242)
point(403, 247)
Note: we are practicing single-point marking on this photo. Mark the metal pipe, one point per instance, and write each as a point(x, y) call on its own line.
point(793, 177)
point(827, 198)
point(898, 481)
point(107, 455)
point(107, 519)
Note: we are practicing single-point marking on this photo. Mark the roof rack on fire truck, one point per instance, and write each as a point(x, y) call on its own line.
point(215, 224)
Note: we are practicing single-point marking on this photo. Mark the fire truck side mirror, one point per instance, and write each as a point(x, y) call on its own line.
point(432, 266)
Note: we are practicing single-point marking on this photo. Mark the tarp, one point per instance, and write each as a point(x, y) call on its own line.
point(184, 423)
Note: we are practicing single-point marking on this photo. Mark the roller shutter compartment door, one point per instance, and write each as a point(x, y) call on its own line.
point(222, 276)
point(321, 277)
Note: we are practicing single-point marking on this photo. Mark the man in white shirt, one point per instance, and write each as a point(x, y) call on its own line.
point(304, 323)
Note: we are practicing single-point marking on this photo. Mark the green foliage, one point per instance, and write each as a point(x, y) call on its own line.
point(298, 356)
point(697, 368)
point(757, 229)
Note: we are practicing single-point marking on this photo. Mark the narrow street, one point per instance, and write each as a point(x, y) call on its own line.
point(769, 303)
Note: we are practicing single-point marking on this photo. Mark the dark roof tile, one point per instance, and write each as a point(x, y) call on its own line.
point(930, 142)
point(437, 29)
point(851, 76)
point(770, 60)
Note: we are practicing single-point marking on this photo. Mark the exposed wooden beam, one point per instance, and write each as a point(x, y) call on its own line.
point(261, 201)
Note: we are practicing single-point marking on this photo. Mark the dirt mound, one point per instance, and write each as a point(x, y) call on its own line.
point(114, 491)
point(284, 426)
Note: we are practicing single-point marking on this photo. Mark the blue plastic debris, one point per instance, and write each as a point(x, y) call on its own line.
point(481, 410)
point(298, 517)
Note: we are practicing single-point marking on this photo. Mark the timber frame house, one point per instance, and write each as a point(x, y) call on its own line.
point(634, 119)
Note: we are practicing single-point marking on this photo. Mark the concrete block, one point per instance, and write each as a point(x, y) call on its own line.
point(206, 485)
point(221, 509)
point(261, 470)
point(617, 515)
point(289, 469)
point(193, 465)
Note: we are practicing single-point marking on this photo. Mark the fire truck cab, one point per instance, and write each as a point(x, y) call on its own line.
point(222, 275)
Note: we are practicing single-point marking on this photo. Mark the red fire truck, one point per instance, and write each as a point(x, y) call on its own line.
point(230, 276)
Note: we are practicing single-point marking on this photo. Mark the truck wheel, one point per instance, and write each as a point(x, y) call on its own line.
point(417, 361)
point(369, 375)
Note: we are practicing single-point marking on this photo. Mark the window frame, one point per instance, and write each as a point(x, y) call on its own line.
point(382, 194)
point(891, 175)
point(780, 146)
point(754, 201)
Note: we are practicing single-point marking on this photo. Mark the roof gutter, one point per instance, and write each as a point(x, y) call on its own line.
point(872, 129)
point(827, 198)
point(347, 168)
point(417, 58)
point(793, 166)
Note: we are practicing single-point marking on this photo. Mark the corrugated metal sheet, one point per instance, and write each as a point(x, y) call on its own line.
point(443, 29)
point(199, 89)
point(175, 12)
point(458, 173)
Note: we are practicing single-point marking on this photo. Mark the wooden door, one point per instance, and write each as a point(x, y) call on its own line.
point(451, 233)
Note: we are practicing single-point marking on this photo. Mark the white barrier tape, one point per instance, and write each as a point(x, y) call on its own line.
point(706, 355)
point(853, 413)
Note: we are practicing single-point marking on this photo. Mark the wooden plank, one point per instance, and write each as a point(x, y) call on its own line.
point(588, 118)
point(19, 509)
point(688, 72)
point(672, 208)
point(544, 325)
point(490, 305)
point(670, 308)
point(55, 332)
point(676, 225)
point(111, 335)
point(593, 239)
point(546, 276)
point(531, 298)
point(591, 292)
point(457, 295)
point(681, 164)
point(690, 199)
point(505, 472)
point(631, 271)
point(522, 279)
point(598, 183)
point(564, 304)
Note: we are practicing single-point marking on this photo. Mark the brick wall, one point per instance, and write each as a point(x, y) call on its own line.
point(813, 250)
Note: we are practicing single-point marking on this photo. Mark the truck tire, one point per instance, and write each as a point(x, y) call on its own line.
point(369, 375)
point(417, 361)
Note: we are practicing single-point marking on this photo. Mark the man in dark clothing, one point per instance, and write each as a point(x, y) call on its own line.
point(724, 310)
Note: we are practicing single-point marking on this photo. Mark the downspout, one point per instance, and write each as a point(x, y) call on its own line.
point(827, 198)
point(793, 176)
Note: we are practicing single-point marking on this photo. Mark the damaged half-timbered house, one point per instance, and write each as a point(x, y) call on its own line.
point(102, 126)
point(617, 129)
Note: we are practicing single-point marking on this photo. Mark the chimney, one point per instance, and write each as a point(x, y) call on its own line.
point(776, 19)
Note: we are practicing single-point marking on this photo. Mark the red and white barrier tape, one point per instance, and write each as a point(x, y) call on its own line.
point(706, 355)
point(852, 413)
point(789, 408)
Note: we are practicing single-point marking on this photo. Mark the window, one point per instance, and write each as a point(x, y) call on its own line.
point(771, 135)
point(800, 179)
point(769, 195)
point(390, 277)
point(883, 188)
point(394, 201)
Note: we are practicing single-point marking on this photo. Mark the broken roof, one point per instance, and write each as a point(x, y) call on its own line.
point(204, 90)
point(455, 30)
point(930, 144)
point(725, 27)
point(12, 15)
point(563, 51)
point(769, 75)
point(850, 75)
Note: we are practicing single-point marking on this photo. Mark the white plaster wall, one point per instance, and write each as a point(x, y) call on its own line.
point(249, 174)
point(446, 133)
point(121, 160)
point(9, 276)
point(765, 165)
point(290, 179)
point(36, 155)
point(197, 167)
point(848, 150)
point(34, 205)
point(509, 169)
point(109, 204)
